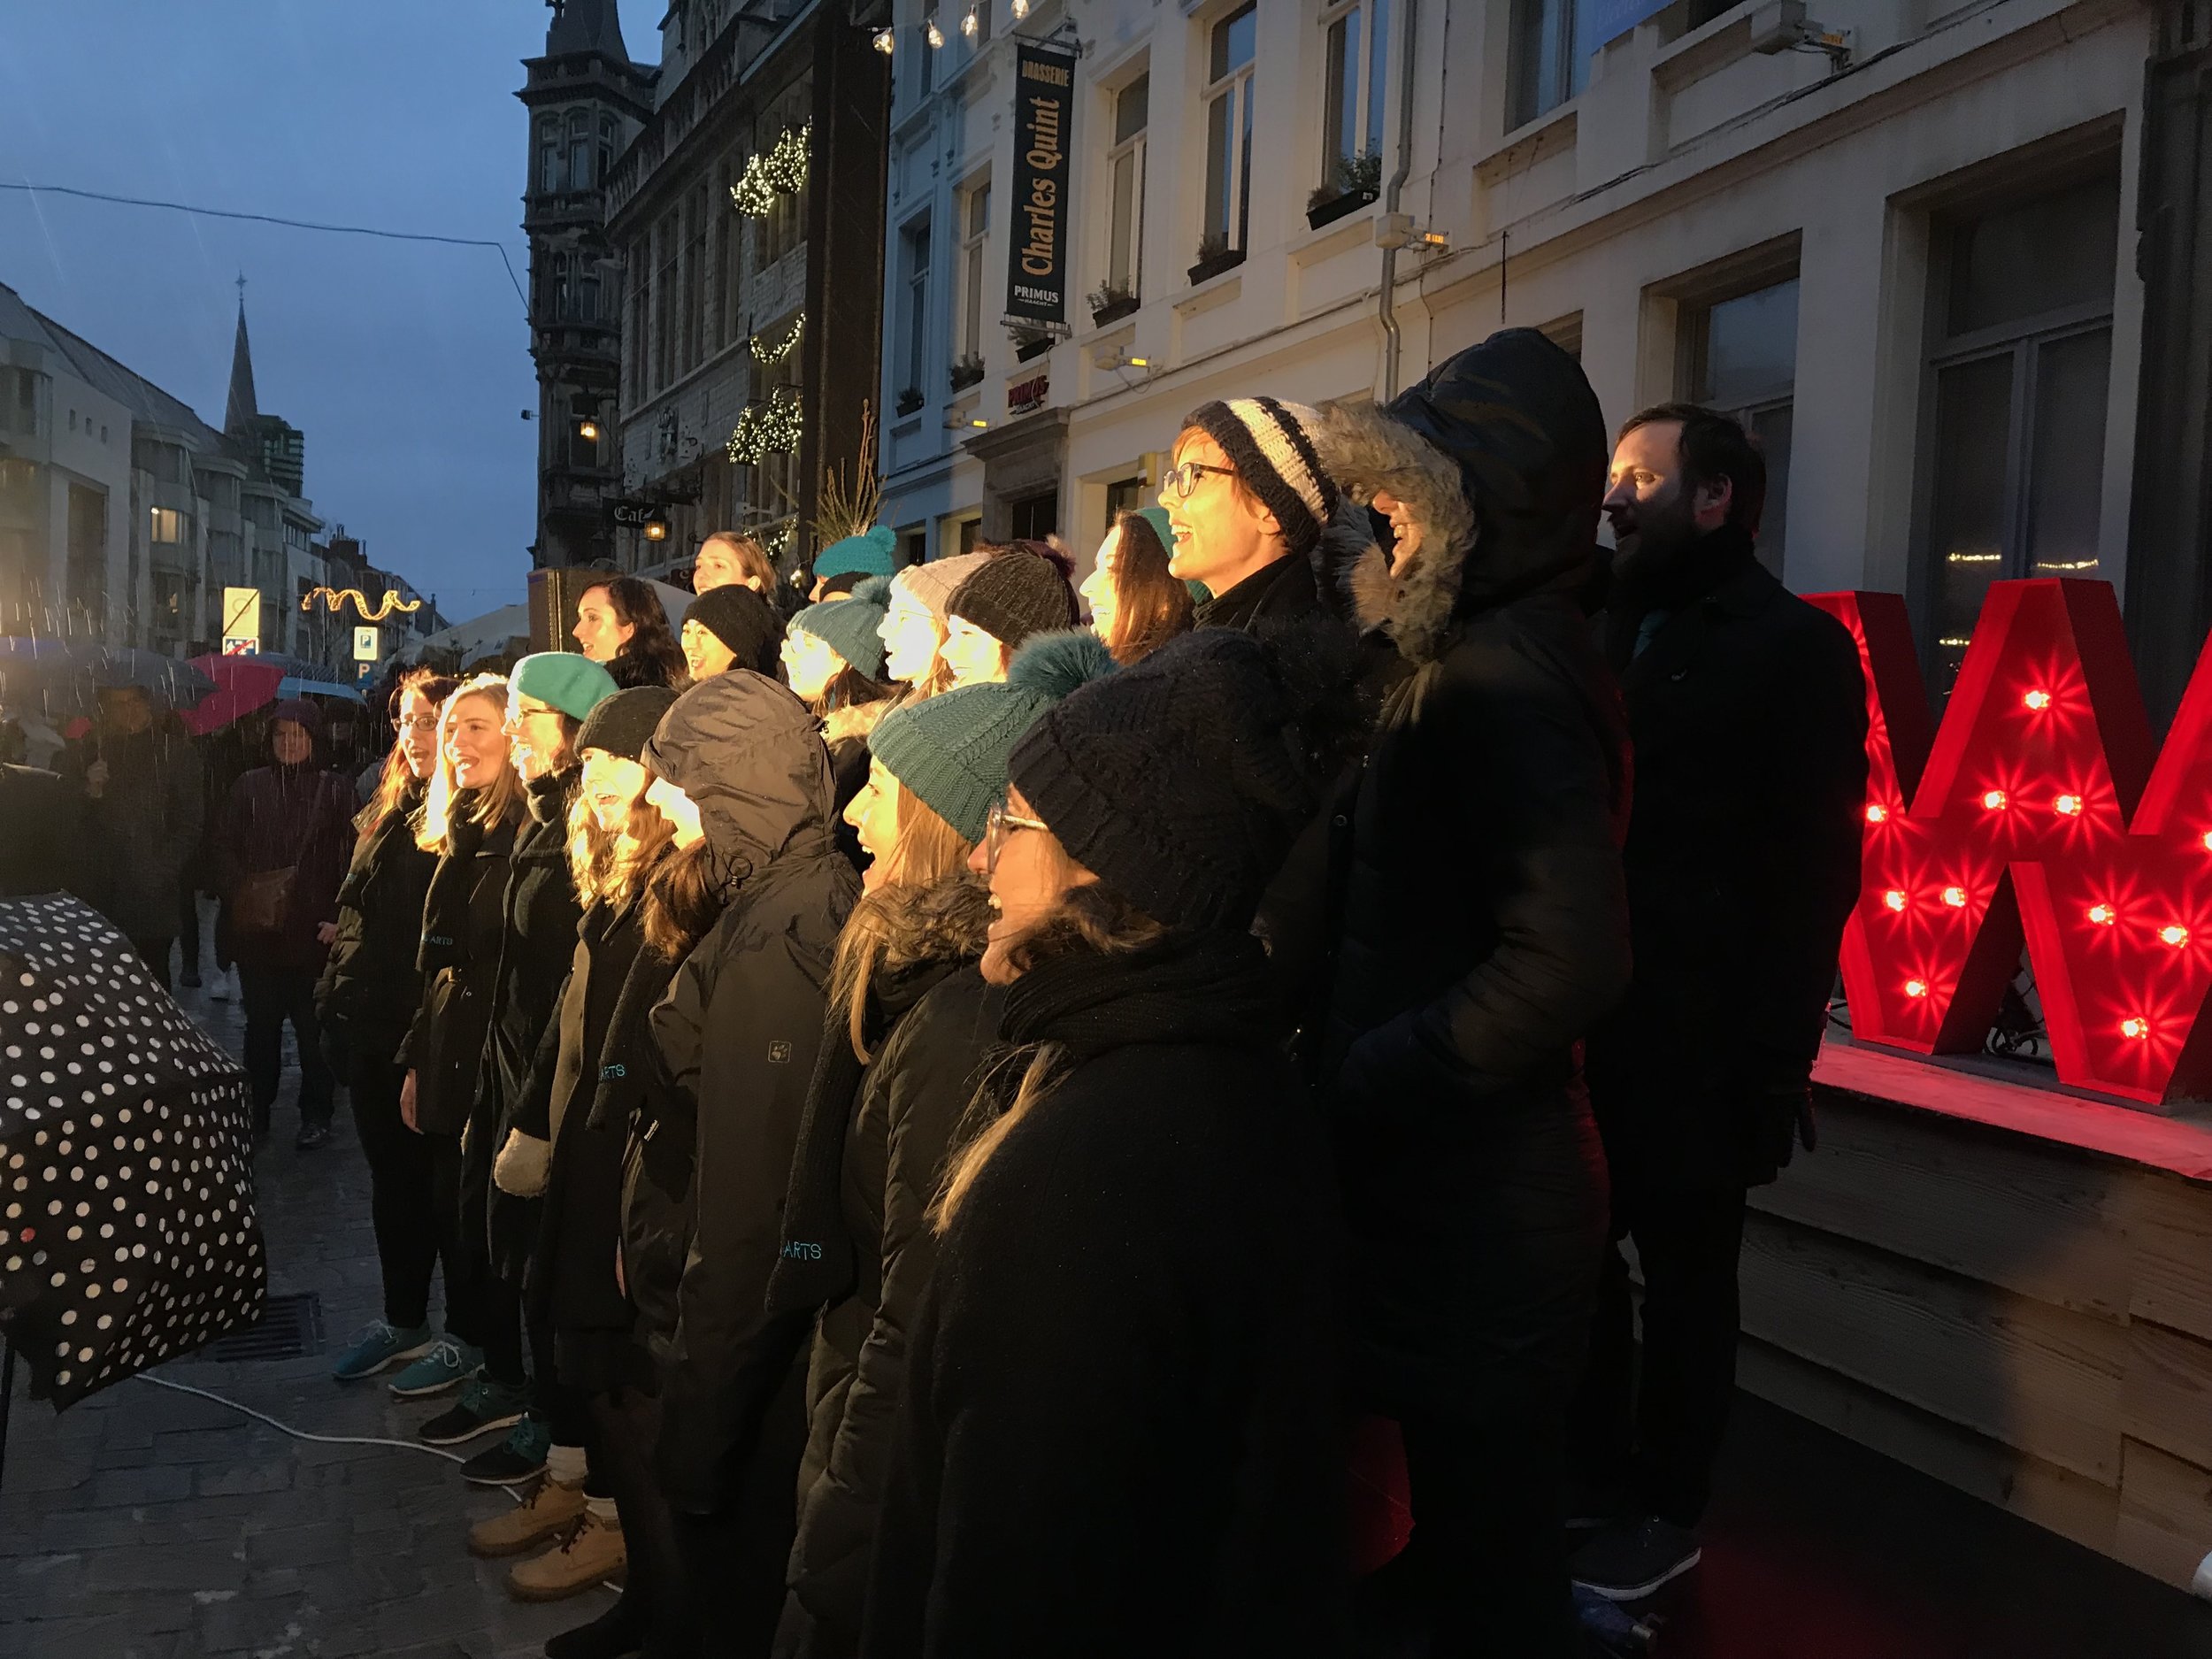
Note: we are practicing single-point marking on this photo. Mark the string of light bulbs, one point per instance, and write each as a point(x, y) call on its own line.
point(971, 24)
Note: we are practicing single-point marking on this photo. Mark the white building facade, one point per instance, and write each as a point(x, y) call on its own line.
point(1904, 251)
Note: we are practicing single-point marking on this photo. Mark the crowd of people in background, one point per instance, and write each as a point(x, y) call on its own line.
point(935, 1123)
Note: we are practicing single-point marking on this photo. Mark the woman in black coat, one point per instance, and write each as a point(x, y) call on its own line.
point(740, 770)
point(1482, 931)
point(1120, 1432)
point(367, 999)
point(471, 813)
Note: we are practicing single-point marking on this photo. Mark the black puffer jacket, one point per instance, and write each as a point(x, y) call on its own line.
point(906, 1120)
point(1483, 928)
point(735, 1039)
point(1122, 1427)
point(370, 987)
point(462, 926)
point(539, 911)
point(131, 844)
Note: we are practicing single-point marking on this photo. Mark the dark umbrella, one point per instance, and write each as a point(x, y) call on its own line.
point(67, 674)
point(128, 1231)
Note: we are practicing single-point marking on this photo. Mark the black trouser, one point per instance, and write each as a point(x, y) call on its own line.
point(400, 1203)
point(1489, 1550)
point(272, 996)
point(625, 1426)
point(501, 1338)
point(741, 1554)
point(1665, 1431)
point(155, 954)
point(468, 1270)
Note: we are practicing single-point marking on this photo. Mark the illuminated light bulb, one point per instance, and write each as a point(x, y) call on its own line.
point(2138, 1029)
point(2038, 699)
point(2208, 840)
point(1994, 800)
point(2176, 935)
point(2103, 915)
point(1956, 897)
point(967, 24)
point(1879, 814)
point(1021, 10)
point(1894, 899)
point(1915, 988)
point(885, 41)
point(934, 35)
point(2067, 806)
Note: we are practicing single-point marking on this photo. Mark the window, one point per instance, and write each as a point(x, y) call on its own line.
point(1739, 356)
point(1229, 131)
point(552, 159)
point(587, 288)
point(1547, 66)
point(1036, 517)
point(1125, 231)
point(917, 266)
point(578, 150)
point(974, 276)
point(1124, 495)
point(2020, 371)
point(666, 236)
point(166, 528)
point(694, 285)
point(641, 261)
point(607, 141)
point(1355, 91)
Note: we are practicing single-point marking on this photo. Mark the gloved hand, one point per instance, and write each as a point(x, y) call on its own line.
point(520, 1169)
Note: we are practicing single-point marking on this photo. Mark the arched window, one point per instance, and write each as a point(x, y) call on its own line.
point(552, 170)
point(580, 176)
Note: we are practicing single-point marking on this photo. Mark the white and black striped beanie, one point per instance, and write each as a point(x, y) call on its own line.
point(1267, 443)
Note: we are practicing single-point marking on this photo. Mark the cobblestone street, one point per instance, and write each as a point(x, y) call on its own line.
point(145, 1524)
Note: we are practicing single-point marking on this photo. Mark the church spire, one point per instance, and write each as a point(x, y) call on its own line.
point(242, 411)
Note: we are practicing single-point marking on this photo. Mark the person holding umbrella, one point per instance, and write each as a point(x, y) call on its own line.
point(281, 857)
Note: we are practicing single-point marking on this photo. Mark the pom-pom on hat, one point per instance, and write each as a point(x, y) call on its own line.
point(1019, 592)
point(1268, 443)
point(565, 681)
point(872, 553)
point(951, 749)
point(621, 724)
point(849, 625)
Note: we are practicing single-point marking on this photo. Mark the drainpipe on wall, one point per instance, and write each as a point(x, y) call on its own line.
point(1386, 312)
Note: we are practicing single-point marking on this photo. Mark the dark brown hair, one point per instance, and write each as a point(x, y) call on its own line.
point(1151, 607)
point(650, 655)
point(1715, 446)
point(682, 901)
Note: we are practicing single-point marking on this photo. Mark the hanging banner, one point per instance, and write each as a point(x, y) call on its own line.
point(1037, 263)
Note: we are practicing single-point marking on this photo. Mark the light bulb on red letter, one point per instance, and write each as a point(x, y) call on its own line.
point(1994, 800)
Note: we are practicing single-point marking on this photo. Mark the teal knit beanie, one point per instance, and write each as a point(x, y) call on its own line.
point(848, 625)
point(871, 552)
point(951, 749)
point(1156, 517)
point(565, 681)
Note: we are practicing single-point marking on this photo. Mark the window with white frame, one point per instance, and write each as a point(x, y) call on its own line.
point(1124, 162)
point(1231, 44)
point(1739, 356)
point(974, 275)
point(916, 239)
point(1547, 66)
point(1354, 91)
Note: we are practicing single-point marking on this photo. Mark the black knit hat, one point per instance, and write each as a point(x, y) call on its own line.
point(1269, 443)
point(1022, 591)
point(621, 724)
point(744, 622)
point(1177, 780)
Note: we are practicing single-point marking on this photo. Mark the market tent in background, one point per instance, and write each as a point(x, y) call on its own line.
point(129, 1234)
point(494, 632)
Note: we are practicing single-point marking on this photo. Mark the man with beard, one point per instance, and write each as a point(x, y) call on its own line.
point(1748, 712)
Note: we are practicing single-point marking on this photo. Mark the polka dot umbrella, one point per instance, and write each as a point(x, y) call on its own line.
point(128, 1231)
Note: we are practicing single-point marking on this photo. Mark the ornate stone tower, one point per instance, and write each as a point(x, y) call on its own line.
point(587, 101)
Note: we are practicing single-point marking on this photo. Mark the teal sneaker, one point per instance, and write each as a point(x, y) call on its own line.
point(378, 1347)
point(517, 1458)
point(443, 1367)
point(484, 1405)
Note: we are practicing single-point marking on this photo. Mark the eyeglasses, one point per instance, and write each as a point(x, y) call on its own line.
point(995, 828)
point(1179, 480)
point(418, 723)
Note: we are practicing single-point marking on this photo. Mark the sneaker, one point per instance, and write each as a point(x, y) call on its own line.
point(378, 1347)
point(443, 1367)
point(550, 1511)
point(311, 1136)
point(220, 987)
point(616, 1633)
point(589, 1556)
point(1631, 1559)
point(484, 1406)
point(517, 1458)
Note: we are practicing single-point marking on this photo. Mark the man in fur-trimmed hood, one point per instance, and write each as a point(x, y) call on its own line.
point(1482, 931)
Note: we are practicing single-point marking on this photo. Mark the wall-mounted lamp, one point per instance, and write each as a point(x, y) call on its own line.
point(656, 528)
point(1398, 230)
point(1781, 26)
point(589, 431)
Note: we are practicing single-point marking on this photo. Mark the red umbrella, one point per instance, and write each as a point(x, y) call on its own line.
point(242, 686)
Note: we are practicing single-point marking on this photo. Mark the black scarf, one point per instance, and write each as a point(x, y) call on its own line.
point(815, 1264)
point(1207, 987)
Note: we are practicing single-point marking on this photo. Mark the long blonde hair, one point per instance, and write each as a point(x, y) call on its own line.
point(927, 905)
point(610, 866)
point(1091, 920)
point(500, 803)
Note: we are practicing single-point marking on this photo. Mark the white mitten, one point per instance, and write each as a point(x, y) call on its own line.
point(519, 1169)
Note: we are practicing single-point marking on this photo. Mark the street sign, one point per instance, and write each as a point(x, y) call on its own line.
point(241, 621)
point(366, 646)
point(362, 671)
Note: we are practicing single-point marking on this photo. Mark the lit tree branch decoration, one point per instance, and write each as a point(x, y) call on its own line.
point(778, 170)
point(767, 428)
point(774, 353)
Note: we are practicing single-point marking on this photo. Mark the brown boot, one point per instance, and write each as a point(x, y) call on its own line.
point(550, 1509)
point(591, 1554)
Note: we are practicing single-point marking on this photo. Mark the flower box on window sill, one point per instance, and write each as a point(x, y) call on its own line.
point(1339, 207)
point(1025, 350)
point(1114, 311)
point(966, 373)
point(1214, 265)
point(910, 400)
